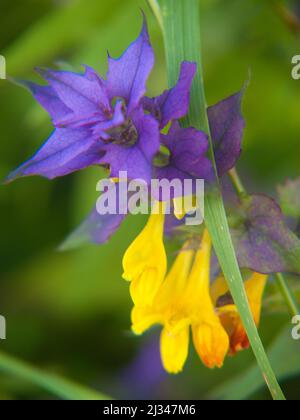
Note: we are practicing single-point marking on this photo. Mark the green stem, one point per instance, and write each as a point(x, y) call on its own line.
point(287, 295)
point(181, 29)
point(282, 284)
point(237, 182)
point(54, 384)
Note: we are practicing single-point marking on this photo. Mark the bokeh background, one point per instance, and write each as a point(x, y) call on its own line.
point(69, 312)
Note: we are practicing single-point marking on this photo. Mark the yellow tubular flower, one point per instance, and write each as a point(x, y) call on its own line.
point(183, 206)
point(229, 316)
point(183, 300)
point(174, 349)
point(168, 310)
point(145, 261)
point(210, 339)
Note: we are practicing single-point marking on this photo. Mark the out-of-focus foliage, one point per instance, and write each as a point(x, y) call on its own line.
point(69, 312)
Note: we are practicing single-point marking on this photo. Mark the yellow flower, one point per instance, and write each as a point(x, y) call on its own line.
point(183, 206)
point(168, 309)
point(184, 301)
point(228, 313)
point(209, 336)
point(145, 261)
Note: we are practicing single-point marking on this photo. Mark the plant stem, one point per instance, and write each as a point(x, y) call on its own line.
point(283, 286)
point(287, 295)
point(237, 182)
point(56, 385)
point(181, 29)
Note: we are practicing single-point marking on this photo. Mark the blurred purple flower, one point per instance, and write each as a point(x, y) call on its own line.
point(144, 374)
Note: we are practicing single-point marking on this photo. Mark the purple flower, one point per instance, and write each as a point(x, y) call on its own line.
point(98, 121)
point(144, 375)
point(187, 158)
point(186, 147)
point(110, 122)
point(226, 123)
point(173, 103)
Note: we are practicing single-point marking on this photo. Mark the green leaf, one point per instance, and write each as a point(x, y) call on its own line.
point(181, 29)
point(61, 387)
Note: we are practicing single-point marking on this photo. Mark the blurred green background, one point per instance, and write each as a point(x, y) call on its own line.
point(69, 312)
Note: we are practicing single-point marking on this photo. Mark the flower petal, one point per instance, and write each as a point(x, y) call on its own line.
point(230, 317)
point(174, 349)
point(173, 103)
point(49, 100)
point(137, 159)
point(255, 287)
point(211, 343)
point(144, 317)
point(85, 94)
point(227, 125)
point(188, 148)
point(66, 151)
point(172, 289)
point(145, 261)
point(127, 76)
point(96, 228)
